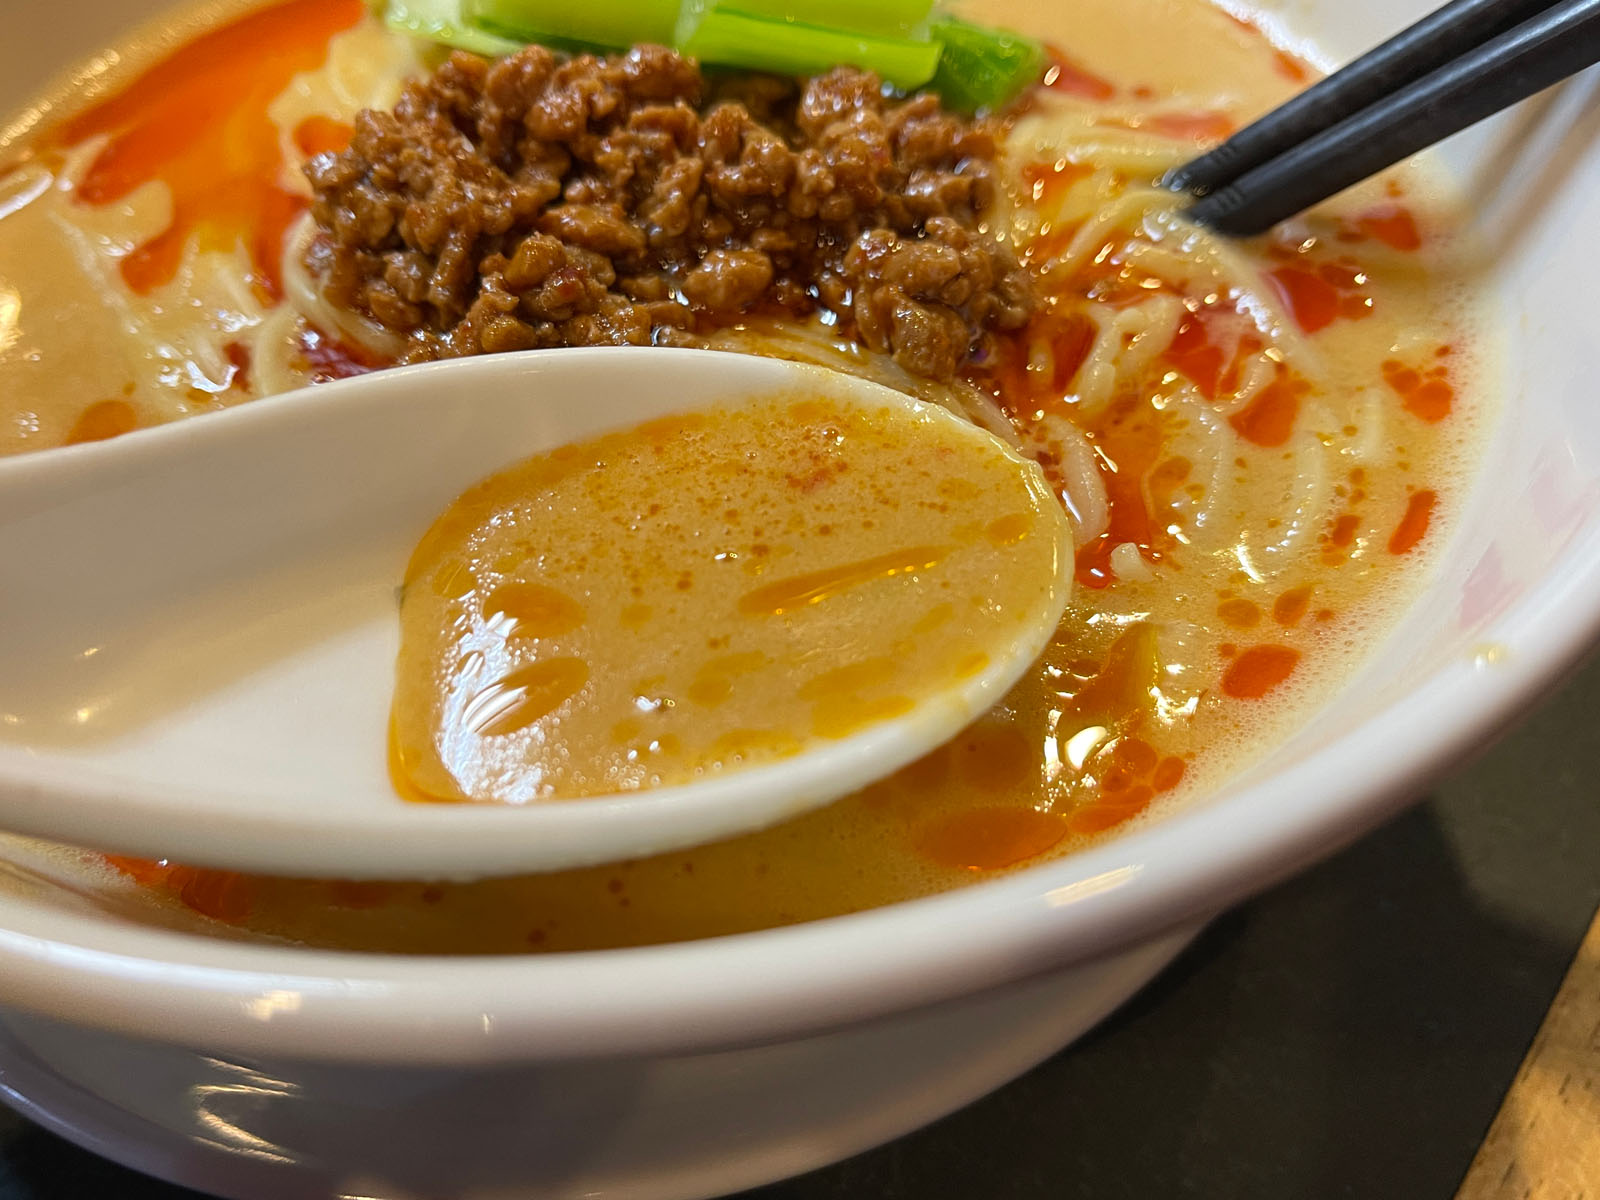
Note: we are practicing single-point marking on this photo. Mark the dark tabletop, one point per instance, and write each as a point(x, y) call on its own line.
point(1347, 1035)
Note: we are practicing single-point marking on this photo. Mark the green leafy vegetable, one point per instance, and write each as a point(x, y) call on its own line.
point(890, 18)
point(615, 24)
point(971, 66)
point(441, 21)
point(983, 68)
point(726, 38)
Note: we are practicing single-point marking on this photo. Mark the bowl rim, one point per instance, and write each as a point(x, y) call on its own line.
point(782, 983)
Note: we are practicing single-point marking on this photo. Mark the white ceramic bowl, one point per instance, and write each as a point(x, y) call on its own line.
point(693, 1069)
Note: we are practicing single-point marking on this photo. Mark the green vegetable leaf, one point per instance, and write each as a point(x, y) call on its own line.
point(727, 38)
point(983, 68)
point(890, 18)
point(614, 24)
point(441, 21)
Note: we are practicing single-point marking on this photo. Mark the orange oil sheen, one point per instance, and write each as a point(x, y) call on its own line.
point(197, 121)
point(708, 592)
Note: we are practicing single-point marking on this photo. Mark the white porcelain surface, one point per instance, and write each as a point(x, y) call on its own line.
point(1515, 601)
point(661, 1128)
point(230, 706)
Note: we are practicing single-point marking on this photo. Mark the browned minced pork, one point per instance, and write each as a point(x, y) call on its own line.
point(539, 201)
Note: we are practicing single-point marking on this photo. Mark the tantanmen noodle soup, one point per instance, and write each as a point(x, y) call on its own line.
point(1259, 444)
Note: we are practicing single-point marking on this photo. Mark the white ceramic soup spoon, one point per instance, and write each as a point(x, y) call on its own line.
point(197, 653)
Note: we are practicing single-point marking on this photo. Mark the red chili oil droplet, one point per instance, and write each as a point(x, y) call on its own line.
point(327, 358)
point(1241, 614)
point(1070, 339)
point(1391, 224)
point(1194, 355)
point(1259, 670)
point(1048, 181)
point(1135, 756)
point(197, 121)
point(1289, 607)
point(1195, 126)
point(986, 839)
point(1169, 774)
point(1290, 67)
point(143, 871)
point(1427, 396)
point(1066, 77)
point(221, 895)
point(1269, 419)
point(1312, 301)
point(1413, 525)
point(1199, 126)
point(1130, 441)
point(318, 134)
point(238, 356)
point(1107, 812)
point(102, 420)
point(1432, 401)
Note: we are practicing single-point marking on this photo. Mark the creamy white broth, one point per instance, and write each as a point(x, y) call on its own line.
point(77, 336)
point(1266, 571)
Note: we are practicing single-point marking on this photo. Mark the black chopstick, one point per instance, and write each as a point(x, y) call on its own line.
point(1559, 41)
point(1442, 35)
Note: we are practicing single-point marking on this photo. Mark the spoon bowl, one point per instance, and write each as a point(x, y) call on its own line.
point(198, 654)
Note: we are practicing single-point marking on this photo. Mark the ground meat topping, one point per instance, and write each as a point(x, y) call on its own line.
point(538, 202)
